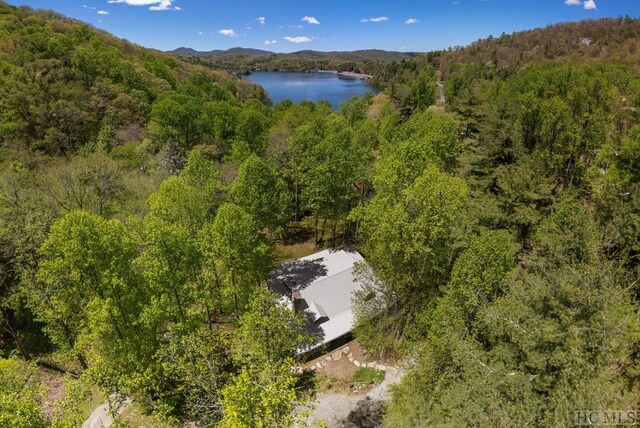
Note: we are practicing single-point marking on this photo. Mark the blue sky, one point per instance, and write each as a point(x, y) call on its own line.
point(292, 25)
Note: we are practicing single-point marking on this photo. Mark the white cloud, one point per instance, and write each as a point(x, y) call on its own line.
point(297, 39)
point(378, 19)
point(163, 5)
point(200, 32)
point(589, 5)
point(310, 20)
point(261, 20)
point(102, 12)
point(412, 21)
point(89, 7)
point(270, 42)
point(572, 2)
point(153, 4)
point(228, 32)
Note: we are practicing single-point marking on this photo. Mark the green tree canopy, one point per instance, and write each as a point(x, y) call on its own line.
point(262, 193)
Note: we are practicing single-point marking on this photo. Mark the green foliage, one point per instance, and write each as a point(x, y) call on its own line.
point(260, 397)
point(426, 139)
point(478, 275)
point(353, 110)
point(92, 183)
point(235, 250)
point(367, 375)
point(426, 213)
point(19, 405)
point(251, 128)
point(198, 365)
point(262, 193)
point(332, 164)
point(269, 331)
point(169, 266)
point(616, 191)
point(178, 116)
point(527, 355)
point(86, 275)
point(190, 199)
point(410, 242)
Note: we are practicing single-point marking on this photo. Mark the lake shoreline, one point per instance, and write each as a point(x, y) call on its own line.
point(348, 74)
point(315, 86)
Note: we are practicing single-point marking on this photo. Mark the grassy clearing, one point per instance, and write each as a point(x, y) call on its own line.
point(368, 375)
point(294, 251)
point(134, 417)
point(92, 400)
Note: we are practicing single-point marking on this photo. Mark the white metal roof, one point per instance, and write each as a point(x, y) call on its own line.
point(326, 283)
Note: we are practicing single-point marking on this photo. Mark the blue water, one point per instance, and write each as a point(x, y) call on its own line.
point(310, 86)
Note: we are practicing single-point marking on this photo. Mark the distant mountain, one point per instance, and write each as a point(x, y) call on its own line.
point(359, 55)
point(182, 51)
point(245, 59)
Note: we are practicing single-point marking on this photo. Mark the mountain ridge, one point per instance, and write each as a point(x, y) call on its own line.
point(358, 54)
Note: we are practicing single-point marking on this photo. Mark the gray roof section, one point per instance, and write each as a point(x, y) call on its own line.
point(332, 293)
point(325, 283)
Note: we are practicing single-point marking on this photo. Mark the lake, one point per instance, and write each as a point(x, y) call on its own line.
point(310, 86)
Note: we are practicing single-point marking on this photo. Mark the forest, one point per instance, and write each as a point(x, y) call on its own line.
point(144, 201)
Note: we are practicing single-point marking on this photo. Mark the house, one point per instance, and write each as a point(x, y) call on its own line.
point(320, 286)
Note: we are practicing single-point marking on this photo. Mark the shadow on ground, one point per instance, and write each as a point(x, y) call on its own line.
point(368, 414)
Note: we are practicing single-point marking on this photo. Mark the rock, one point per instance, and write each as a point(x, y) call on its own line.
point(336, 355)
point(356, 363)
point(371, 364)
point(350, 355)
point(382, 367)
point(327, 358)
point(345, 349)
point(350, 359)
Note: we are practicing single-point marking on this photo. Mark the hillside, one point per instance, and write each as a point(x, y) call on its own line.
point(610, 40)
point(607, 39)
point(579, 42)
point(63, 82)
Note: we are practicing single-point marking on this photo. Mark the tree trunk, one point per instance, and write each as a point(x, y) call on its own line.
point(295, 199)
point(334, 228)
point(324, 224)
point(315, 230)
point(235, 296)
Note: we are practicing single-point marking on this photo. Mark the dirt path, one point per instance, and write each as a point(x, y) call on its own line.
point(441, 99)
point(335, 408)
point(101, 416)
